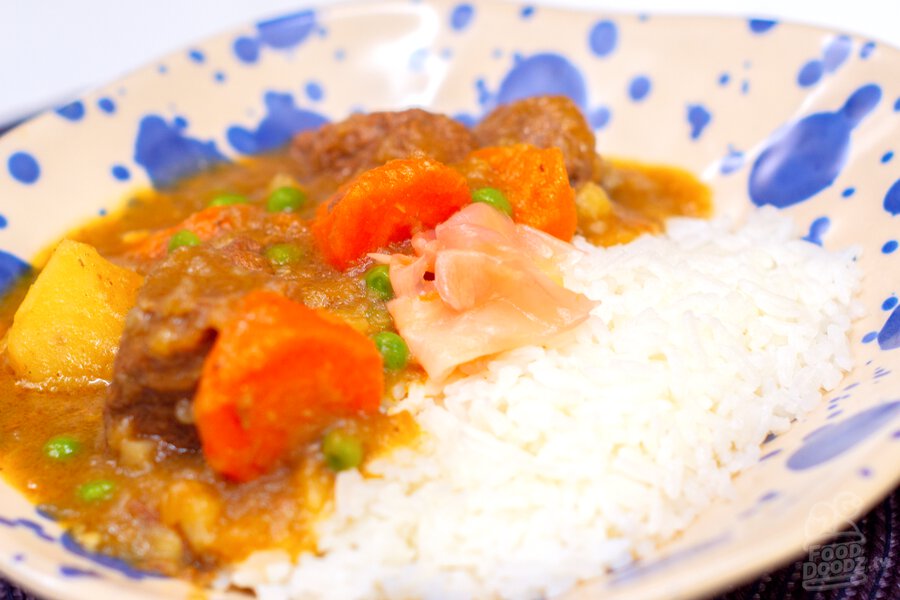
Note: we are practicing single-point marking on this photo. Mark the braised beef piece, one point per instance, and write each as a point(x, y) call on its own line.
point(185, 298)
point(339, 151)
point(168, 334)
point(544, 121)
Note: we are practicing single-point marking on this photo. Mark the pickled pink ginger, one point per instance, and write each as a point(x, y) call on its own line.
point(478, 285)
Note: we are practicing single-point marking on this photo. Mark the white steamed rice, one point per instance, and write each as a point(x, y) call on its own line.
point(546, 466)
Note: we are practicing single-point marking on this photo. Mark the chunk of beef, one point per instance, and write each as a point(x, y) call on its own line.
point(544, 121)
point(339, 151)
point(185, 298)
point(167, 336)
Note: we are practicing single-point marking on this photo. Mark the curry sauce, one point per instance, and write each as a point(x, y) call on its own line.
point(155, 505)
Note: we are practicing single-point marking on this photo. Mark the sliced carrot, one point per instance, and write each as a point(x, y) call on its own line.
point(277, 374)
point(535, 182)
point(387, 204)
point(208, 223)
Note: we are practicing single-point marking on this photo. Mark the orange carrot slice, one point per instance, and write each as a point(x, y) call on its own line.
point(278, 373)
point(387, 204)
point(535, 182)
point(206, 224)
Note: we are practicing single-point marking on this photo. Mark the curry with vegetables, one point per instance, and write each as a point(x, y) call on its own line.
point(183, 379)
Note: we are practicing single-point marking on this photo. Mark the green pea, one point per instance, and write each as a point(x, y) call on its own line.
point(286, 199)
point(378, 280)
point(493, 197)
point(342, 451)
point(62, 447)
point(95, 491)
point(283, 254)
point(228, 200)
point(394, 350)
point(183, 239)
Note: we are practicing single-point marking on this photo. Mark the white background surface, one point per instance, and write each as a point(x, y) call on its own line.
point(50, 50)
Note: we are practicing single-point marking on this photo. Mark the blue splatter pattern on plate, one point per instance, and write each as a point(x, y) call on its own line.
point(781, 129)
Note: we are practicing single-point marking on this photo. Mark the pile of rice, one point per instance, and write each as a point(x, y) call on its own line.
point(549, 465)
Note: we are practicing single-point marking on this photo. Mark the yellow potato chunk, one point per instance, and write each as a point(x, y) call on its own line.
point(66, 332)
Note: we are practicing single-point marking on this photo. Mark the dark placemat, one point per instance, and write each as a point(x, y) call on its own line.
point(875, 575)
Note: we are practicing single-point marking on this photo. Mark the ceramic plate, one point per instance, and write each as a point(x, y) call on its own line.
point(768, 113)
